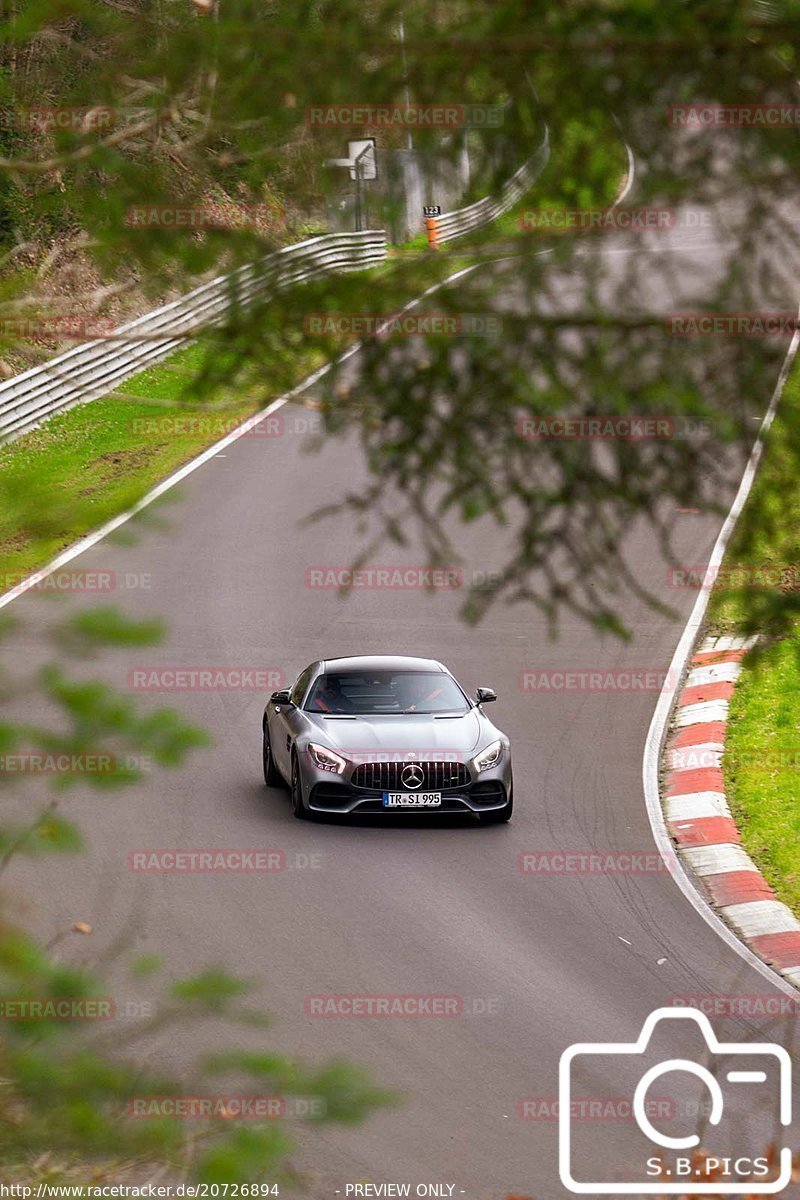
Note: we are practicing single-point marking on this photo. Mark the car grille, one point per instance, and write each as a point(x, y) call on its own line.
point(385, 776)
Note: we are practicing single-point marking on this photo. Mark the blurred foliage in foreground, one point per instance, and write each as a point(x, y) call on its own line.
point(72, 1068)
point(208, 105)
point(212, 100)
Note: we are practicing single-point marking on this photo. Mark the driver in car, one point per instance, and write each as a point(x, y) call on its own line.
point(330, 698)
point(421, 693)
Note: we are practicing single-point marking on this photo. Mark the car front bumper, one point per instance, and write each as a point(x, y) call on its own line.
point(324, 792)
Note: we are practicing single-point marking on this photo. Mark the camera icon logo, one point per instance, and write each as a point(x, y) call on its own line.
point(666, 1168)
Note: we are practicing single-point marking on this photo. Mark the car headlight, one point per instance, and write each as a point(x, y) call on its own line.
point(488, 757)
point(325, 759)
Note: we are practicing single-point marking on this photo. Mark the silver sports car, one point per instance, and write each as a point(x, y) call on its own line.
point(386, 734)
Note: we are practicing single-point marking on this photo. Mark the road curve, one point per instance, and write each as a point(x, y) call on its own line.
point(539, 961)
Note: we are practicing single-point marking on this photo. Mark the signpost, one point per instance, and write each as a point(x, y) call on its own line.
point(362, 164)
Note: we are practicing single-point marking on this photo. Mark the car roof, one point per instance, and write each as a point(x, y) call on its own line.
point(382, 662)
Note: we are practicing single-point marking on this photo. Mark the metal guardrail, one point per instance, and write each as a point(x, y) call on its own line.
point(463, 220)
point(96, 368)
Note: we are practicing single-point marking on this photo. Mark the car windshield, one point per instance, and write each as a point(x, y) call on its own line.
point(371, 693)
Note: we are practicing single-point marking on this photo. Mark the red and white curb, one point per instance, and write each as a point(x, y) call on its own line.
point(699, 820)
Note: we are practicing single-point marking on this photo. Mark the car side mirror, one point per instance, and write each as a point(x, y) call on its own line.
point(485, 695)
point(280, 697)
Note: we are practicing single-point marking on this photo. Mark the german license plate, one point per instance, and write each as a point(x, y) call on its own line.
point(412, 799)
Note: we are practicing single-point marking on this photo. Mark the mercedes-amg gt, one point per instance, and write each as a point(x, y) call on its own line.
point(386, 734)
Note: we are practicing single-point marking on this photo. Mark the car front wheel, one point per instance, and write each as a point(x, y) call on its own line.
point(298, 808)
point(272, 776)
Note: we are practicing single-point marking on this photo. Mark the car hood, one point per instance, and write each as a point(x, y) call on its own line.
point(400, 734)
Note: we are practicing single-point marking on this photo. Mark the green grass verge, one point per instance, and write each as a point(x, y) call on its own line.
point(761, 764)
point(84, 466)
point(89, 464)
point(765, 549)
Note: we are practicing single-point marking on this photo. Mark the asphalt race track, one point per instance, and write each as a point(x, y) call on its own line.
point(410, 908)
